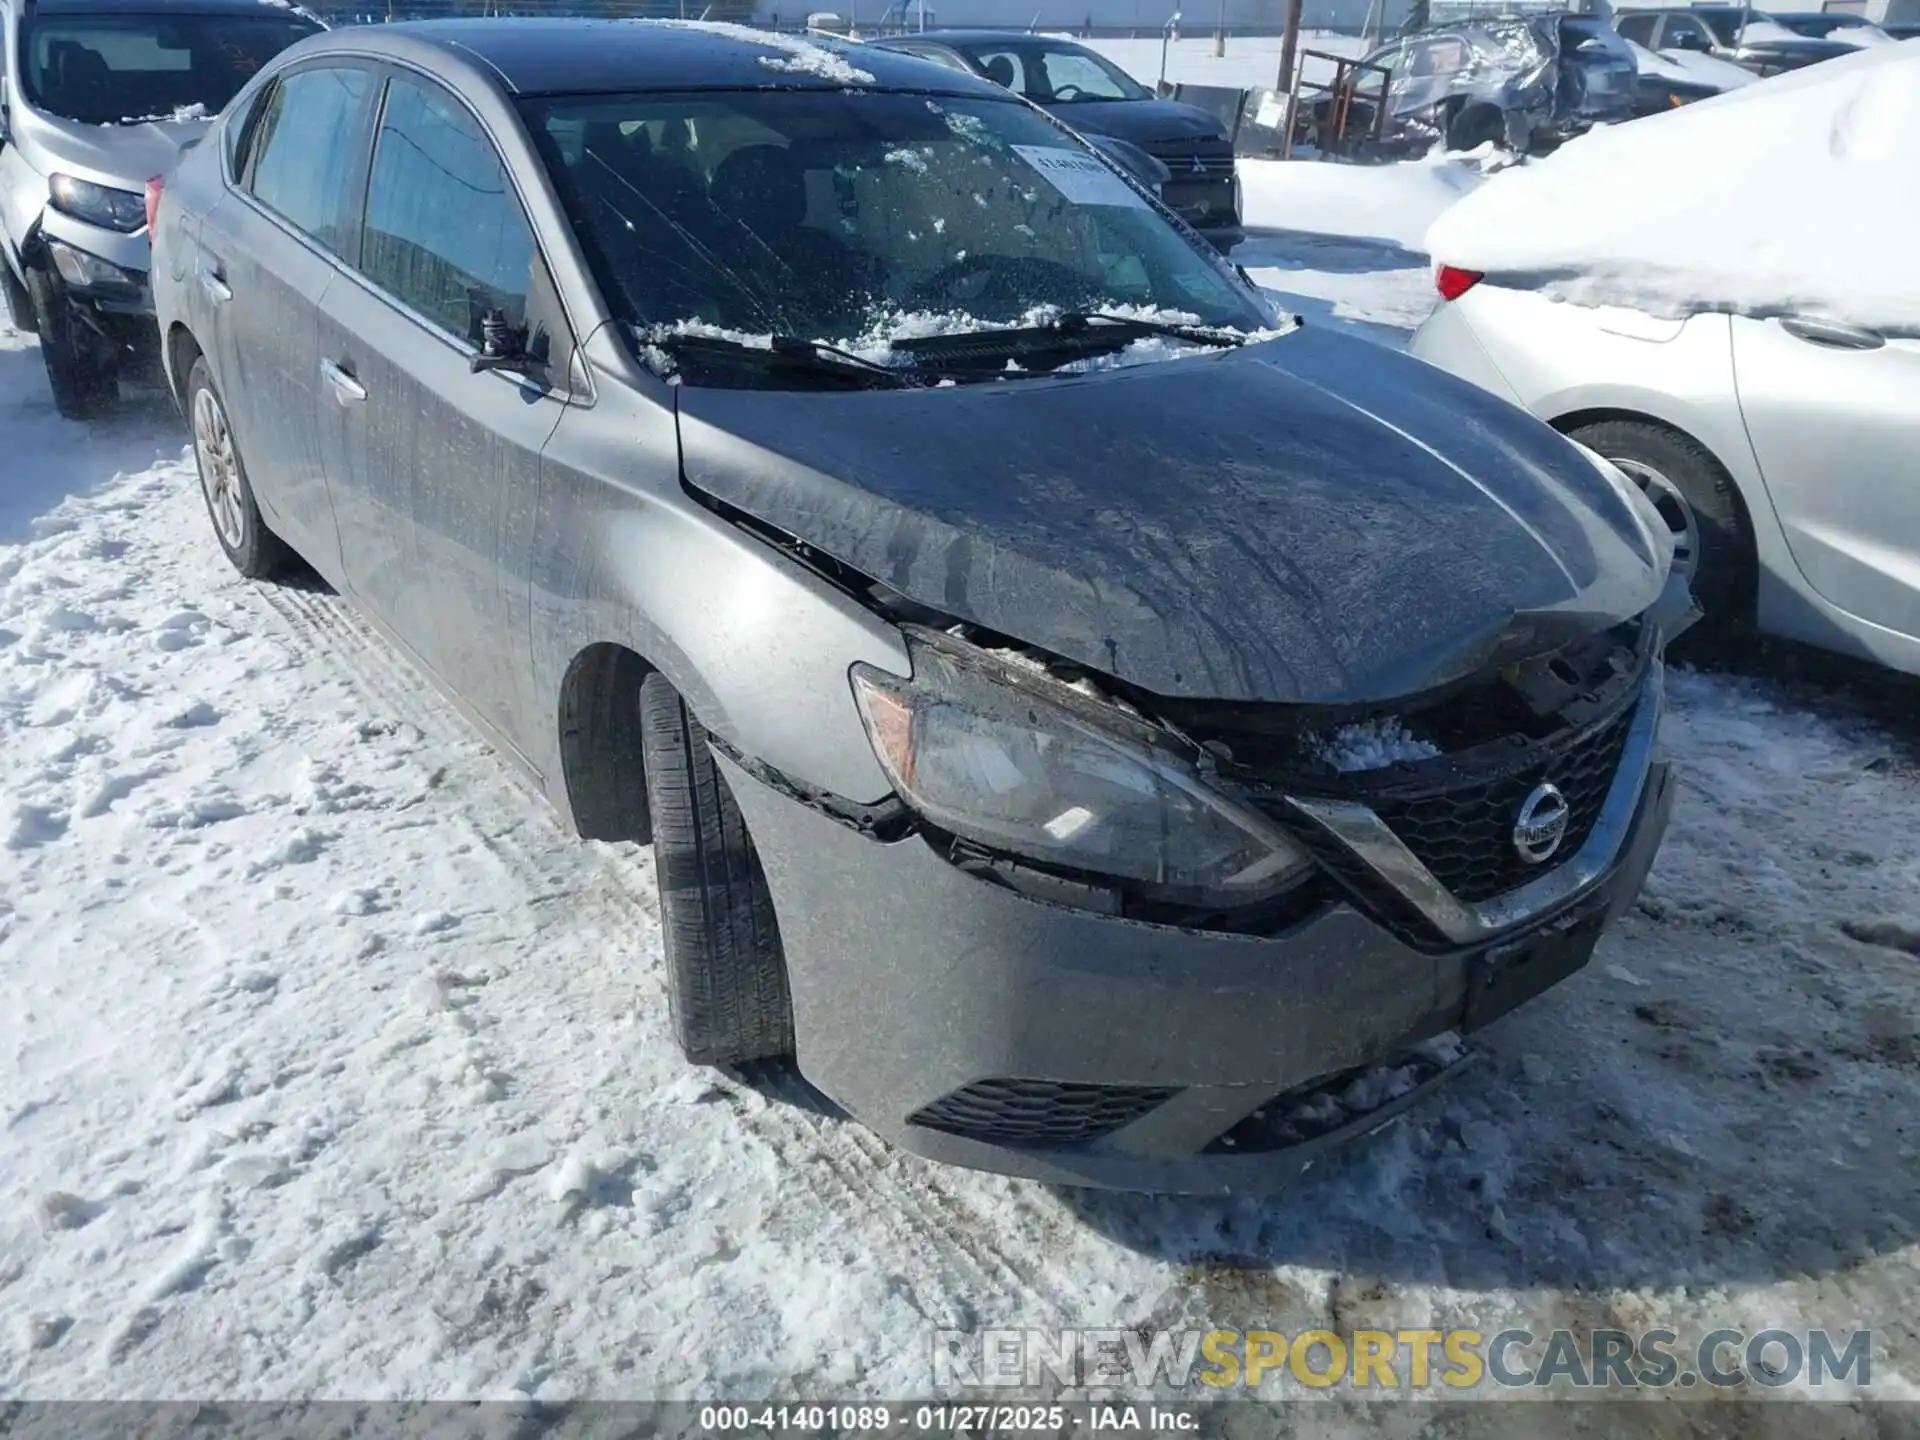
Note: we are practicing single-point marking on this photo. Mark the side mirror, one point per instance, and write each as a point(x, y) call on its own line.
point(503, 345)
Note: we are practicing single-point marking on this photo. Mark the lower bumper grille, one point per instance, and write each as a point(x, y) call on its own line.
point(1043, 1114)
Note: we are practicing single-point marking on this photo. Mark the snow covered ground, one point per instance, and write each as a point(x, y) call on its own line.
point(331, 1066)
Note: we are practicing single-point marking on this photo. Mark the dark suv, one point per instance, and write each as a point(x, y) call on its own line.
point(1094, 96)
point(1747, 38)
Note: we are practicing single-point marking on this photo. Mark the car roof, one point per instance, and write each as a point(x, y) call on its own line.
point(564, 55)
point(958, 36)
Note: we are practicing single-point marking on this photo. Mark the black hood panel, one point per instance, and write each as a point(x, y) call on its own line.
point(1141, 121)
point(1316, 519)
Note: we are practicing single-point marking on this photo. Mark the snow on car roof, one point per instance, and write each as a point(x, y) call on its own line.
point(1794, 195)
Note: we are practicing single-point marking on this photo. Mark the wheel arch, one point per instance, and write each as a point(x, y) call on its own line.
point(1578, 419)
point(602, 768)
point(1751, 593)
point(178, 350)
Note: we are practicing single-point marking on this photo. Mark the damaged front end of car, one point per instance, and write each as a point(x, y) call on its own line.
point(1219, 785)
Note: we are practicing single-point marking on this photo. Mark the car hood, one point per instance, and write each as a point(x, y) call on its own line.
point(123, 156)
point(1312, 520)
point(1803, 48)
point(1138, 120)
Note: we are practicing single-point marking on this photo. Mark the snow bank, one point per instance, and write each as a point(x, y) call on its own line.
point(1377, 202)
point(1797, 195)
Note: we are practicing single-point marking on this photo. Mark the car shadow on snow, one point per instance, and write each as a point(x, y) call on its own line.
point(1314, 250)
point(50, 458)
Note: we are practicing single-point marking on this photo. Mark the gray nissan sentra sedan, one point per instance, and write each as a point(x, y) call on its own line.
point(1103, 730)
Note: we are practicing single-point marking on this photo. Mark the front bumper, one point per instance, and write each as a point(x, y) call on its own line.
point(924, 998)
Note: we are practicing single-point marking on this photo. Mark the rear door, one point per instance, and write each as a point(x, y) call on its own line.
point(435, 468)
point(1831, 414)
point(268, 252)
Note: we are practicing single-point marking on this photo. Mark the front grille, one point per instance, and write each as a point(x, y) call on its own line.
point(1038, 1114)
point(1465, 836)
point(1194, 157)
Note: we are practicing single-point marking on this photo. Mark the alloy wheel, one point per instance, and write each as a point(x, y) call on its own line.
point(1682, 524)
point(219, 467)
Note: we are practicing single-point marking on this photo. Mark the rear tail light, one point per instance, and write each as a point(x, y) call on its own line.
point(154, 188)
point(1453, 282)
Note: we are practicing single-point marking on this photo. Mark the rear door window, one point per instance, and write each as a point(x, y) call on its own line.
point(445, 234)
point(1637, 28)
point(304, 152)
point(1683, 32)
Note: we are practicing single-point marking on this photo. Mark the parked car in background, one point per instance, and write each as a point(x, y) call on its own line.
point(1523, 83)
point(1780, 451)
point(1679, 77)
point(1669, 295)
point(1097, 98)
point(986, 688)
point(99, 96)
point(1666, 82)
point(1747, 38)
point(1854, 30)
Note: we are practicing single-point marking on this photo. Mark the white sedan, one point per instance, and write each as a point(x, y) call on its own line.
point(1724, 301)
point(1783, 453)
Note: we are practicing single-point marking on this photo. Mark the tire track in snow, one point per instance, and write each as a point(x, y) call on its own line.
point(849, 1171)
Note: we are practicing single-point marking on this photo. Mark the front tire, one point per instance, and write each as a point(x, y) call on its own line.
point(256, 552)
point(1712, 540)
point(726, 975)
point(82, 384)
point(1477, 126)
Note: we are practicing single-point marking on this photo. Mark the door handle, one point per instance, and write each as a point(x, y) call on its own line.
point(1832, 334)
point(346, 389)
point(214, 283)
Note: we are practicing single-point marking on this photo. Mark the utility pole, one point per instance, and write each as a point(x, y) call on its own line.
point(1220, 33)
point(1289, 53)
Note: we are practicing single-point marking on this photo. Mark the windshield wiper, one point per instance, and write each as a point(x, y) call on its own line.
point(1076, 322)
point(816, 357)
point(1063, 335)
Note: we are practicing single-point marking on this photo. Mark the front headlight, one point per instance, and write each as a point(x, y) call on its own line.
point(121, 210)
point(84, 271)
point(1023, 763)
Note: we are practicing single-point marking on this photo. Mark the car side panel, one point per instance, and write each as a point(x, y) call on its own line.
point(759, 648)
point(435, 475)
point(1835, 434)
point(1559, 360)
point(264, 345)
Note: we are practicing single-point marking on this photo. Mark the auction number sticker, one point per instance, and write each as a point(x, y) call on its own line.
point(1082, 178)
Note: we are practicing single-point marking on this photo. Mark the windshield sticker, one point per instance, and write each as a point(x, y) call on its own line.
point(1082, 178)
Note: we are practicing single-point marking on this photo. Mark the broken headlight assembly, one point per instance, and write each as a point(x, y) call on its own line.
point(1023, 763)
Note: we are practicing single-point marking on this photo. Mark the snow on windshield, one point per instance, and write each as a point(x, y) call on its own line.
point(1792, 196)
point(180, 114)
point(797, 55)
point(876, 343)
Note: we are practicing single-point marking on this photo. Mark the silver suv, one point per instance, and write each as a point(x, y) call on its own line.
point(96, 98)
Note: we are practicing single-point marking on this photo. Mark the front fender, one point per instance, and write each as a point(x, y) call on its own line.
point(757, 645)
